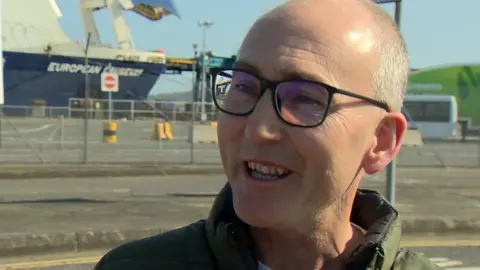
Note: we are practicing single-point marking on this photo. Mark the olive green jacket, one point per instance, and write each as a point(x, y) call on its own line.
point(223, 242)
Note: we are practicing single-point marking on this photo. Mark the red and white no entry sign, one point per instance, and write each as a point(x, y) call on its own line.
point(109, 82)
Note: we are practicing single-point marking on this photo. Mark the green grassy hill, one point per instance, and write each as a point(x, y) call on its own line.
point(461, 81)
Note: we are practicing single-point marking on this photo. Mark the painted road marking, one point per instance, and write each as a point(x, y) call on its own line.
point(449, 264)
point(464, 268)
point(26, 131)
point(445, 262)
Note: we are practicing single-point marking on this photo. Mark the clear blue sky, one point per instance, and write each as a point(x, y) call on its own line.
point(438, 32)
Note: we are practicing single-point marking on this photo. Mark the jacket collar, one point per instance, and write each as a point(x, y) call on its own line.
point(233, 245)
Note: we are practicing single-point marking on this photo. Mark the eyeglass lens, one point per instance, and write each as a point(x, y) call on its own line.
point(298, 102)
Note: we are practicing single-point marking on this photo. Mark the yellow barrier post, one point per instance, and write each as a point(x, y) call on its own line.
point(110, 132)
point(159, 131)
point(168, 131)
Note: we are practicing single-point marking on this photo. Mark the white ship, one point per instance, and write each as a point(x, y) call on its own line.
point(42, 64)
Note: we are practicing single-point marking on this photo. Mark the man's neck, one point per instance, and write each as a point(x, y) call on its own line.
point(322, 248)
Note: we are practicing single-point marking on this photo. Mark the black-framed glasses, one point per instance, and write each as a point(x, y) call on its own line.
point(301, 103)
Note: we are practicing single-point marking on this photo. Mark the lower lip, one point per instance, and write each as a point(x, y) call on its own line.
point(246, 175)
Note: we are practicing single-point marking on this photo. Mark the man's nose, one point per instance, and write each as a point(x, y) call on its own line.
point(263, 124)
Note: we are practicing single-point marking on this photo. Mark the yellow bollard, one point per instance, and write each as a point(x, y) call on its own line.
point(168, 131)
point(159, 132)
point(110, 132)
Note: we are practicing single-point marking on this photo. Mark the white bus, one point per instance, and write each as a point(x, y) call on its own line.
point(435, 116)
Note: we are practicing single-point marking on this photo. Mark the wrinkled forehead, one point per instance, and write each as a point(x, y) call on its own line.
point(298, 41)
point(276, 45)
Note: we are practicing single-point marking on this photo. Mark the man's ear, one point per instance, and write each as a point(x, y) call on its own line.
point(388, 141)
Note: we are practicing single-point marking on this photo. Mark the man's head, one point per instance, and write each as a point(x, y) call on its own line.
point(347, 45)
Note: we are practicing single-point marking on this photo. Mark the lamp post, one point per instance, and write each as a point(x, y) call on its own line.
point(204, 25)
point(391, 168)
point(398, 12)
point(194, 102)
point(194, 71)
point(1, 78)
point(85, 102)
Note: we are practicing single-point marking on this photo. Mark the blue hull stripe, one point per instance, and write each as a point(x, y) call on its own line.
point(55, 79)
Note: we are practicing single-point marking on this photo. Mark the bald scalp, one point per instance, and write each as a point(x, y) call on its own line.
point(390, 80)
point(390, 74)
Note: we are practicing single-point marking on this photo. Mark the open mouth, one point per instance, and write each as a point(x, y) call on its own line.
point(268, 173)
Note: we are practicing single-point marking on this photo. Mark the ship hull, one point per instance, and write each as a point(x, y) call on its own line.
point(54, 80)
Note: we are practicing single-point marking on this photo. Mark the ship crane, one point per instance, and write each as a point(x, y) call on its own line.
point(145, 8)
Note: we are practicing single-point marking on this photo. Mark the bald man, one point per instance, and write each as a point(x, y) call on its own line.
point(310, 107)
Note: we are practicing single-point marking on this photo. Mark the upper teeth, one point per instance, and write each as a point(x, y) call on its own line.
point(266, 169)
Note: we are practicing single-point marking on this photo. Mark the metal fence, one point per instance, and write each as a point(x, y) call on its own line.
point(121, 109)
point(56, 135)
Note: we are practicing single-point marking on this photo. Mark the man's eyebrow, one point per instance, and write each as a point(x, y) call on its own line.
point(285, 74)
point(296, 75)
point(303, 74)
point(246, 66)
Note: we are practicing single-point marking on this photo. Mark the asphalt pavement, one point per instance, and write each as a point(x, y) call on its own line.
point(37, 140)
point(61, 214)
point(460, 258)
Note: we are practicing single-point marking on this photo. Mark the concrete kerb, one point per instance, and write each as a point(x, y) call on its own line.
point(194, 194)
point(36, 244)
point(100, 171)
point(440, 225)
